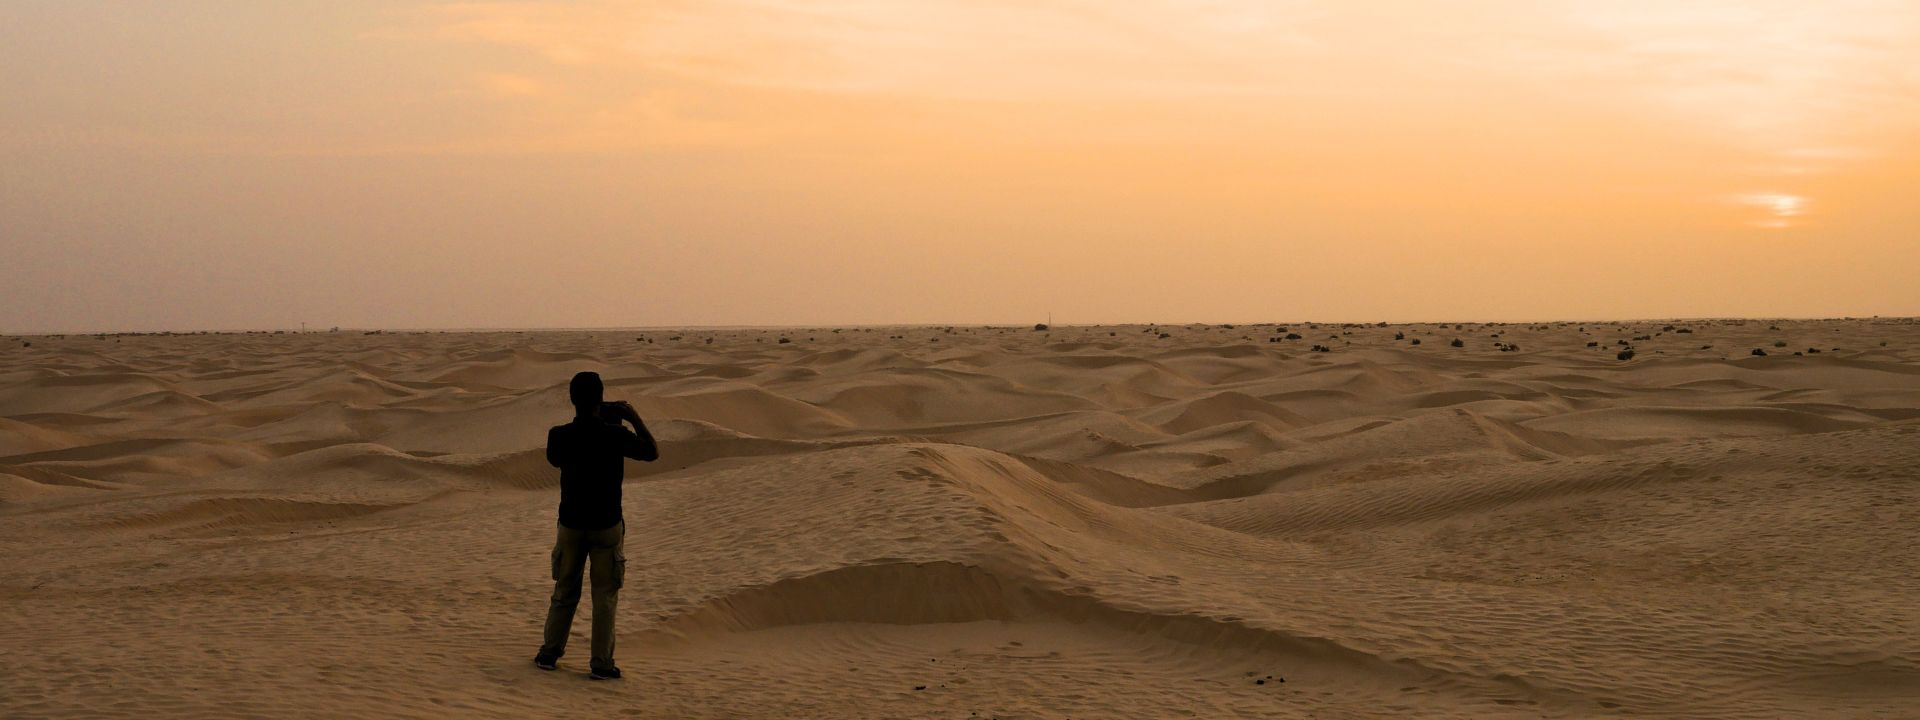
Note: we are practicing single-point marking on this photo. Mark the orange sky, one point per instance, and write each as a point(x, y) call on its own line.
point(240, 164)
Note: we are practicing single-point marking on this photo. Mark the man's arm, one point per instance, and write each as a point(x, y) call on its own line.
point(556, 454)
point(639, 445)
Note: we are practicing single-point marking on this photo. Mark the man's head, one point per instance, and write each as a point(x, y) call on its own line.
point(586, 391)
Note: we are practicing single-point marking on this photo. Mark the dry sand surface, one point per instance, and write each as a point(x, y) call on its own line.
point(1090, 522)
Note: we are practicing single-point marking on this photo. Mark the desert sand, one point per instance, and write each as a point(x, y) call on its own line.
point(1084, 522)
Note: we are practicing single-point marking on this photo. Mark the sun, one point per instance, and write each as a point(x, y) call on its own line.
point(1779, 210)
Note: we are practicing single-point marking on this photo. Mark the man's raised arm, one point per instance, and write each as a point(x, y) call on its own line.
point(639, 445)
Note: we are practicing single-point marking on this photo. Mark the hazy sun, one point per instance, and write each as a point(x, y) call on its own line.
point(1779, 210)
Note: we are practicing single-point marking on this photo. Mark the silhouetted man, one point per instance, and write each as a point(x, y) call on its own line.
point(591, 453)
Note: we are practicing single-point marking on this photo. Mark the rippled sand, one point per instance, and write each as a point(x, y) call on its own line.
point(1089, 522)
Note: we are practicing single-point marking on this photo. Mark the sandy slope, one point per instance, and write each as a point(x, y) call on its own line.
point(1092, 522)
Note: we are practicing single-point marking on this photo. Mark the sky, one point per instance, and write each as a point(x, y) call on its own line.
point(199, 164)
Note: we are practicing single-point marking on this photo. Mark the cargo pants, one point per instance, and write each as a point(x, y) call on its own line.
point(571, 551)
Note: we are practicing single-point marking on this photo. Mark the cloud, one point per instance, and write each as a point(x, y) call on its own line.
point(1789, 78)
point(1793, 83)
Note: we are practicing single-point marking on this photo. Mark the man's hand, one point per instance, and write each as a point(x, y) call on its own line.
point(623, 410)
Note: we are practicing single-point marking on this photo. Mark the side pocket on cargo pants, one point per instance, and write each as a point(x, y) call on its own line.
point(619, 568)
point(556, 563)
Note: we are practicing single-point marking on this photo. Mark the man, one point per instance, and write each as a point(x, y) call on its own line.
point(591, 453)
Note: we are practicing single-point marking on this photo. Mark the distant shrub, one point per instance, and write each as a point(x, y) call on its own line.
point(1399, 336)
point(1457, 343)
point(1038, 327)
point(1759, 353)
point(1164, 336)
point(1415, 341)
point(1811, 351)
point(1321, 348)
point(1626, 354)
point(1779, 343)
point(1683, 331)
point(1293, 336)
point(1593, 343)
point(784, 341)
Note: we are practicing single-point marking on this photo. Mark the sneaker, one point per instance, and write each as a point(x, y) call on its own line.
point(605, 673)
point(546, 662)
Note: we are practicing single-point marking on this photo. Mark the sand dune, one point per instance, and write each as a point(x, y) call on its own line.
point(1088, 522)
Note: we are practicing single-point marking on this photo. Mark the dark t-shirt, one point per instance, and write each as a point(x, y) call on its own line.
point(591, 455)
